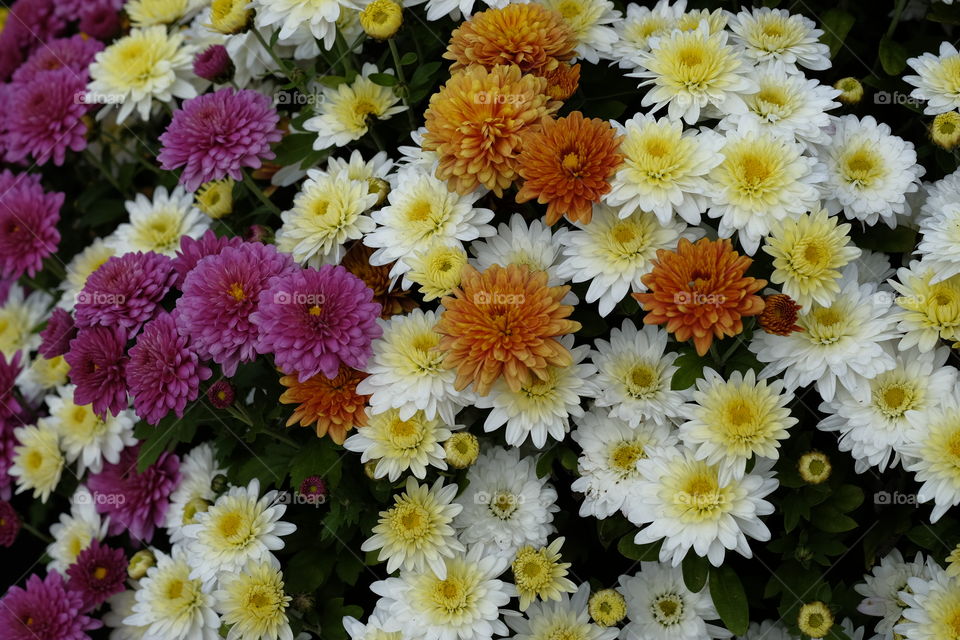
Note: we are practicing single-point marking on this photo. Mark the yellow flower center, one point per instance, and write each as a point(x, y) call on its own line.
point(863, 167)
point(624, 456)
point(99, 573)
point(824, 325)
point(409, 521)
point(642, 380)
point(237, 292)
point(450, 595)
point(667, 609)
point(503, 504)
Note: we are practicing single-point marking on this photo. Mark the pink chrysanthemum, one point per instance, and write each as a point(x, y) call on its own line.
point(214, 64)
point(45, 610)
point(9, 524)
point(99, 21)
point(56, 336)
point(29, 24)
point(45, 117)
point(8, 442)
point(125, 291)
point(97, 573)
point(28, 227)
point(75, 53)
point(193, 251)
point(135, 502)
point(219, 295)
point(164, 373)
point(98, 368)
point(313, 320)
point(216, 135)
point(9, 371)
point(220, 394)
point(313, 490)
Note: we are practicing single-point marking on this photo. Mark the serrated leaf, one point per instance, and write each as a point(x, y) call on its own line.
point(695, 570)
point(689, 368)
point(730, 599)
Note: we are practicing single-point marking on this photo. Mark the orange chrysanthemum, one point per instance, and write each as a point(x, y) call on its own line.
point(563, 81)
point(333, 405)
point(531, 36)
point(503, 322)
point(475, 122)
point(566, 164)
point(700, 292)
point(779, 315)
point(392, 299)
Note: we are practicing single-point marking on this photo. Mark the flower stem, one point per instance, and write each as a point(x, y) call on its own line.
point(26, 526)
point(404, 89)
point(103, 169)
point(287, 73)
point(255, 190)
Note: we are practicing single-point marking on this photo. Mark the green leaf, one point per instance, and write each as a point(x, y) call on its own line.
point(836, 25)
point(893, 56)
point(832, 520)
point(695, 571)
point(307, 570)
point(944, 13)
point(730, 599)
point(847, 498)
point(424, 74)
point(383, 79)
point(408, 58)
point(629, 549)
point(690, 367)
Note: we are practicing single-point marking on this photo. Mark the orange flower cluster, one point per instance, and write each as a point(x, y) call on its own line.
point(333, 405)
point(504, 322)
point(699, 291)
point(779, 315)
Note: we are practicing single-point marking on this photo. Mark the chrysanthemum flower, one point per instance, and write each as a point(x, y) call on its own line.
point(932, 605)
point(254, 604)
point(563, 81)
point(193, 250)
point(79, 269)
point(471, 151)
point(462, 450)
point(538, 573)
point(699, 291)
point(45, 117)
point(216, 198)
point(591, 23)
point(332, 405)
point(219, 134)
point(37, 459)
point(74, 53)
point(58, 333)
point(392, 299)
point(534, 244)
point(74, 531)
point(779, 315)
point(926, 310)
point(86, 438)
point(317, 18)
point(504, 322)
point(437, 269)
point(158, 223)
point(567, 164)
point(45, 609)
point(230, 16)
point(396, 444)
point(775, 35)
point(945, 130)
point(98, 573)
point(938, 79)
point(815, 619)
point(659, 605)
point(640, 25)
point(97, 366)
point(20, 314)
point(382, 18)
point(939, 219)
point(607, 607)
point(28, 226)
point(690, 20)
point(566, 616)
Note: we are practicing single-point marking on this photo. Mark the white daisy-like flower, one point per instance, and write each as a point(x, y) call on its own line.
point(157, 223)
point(140, 70)
point(840, 343)
point(591, 23)
point(41, 376)
point(566, 617)
point(661, 607)
point(317, 17)
point(397, 444)
point(240, 526)
point(926, 311)
point(373, 629)
point(437, 268)
point(691, 504)
point(75, 531)
point(882, 586)
point(464, 605)
point(544, 407)
point(639, 25)
point(634, 375)
point(938, 79)
point(79, 269)
point(254, 604)
point(327, 213)
point(251, 60)
point(171, 604)
point(607, 466)
point(767, 630)
point(535, 244)
point(120, 608)
point(760, 180)
point(873, 266)
point(664, 168)
point(197, 470)
point(688, 71)
point(421, 211)
point(344, 112)
point(415, 156)
point(775, 35)
point(940, 228)
point(37, 460)
point(900, 400)
point(932, 608)
point(932, 452)
point(406, 371)
point(20, 316)
point(505, 505)
point(86, 438)
point(869, 172)
point(373, 171)
point(613, 253)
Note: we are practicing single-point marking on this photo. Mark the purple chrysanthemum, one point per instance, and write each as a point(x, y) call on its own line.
point(214, 64)
point(75, 53)
point(9, 179)
point(9, 524)
point(125, 291)
point(98, 368)
point(45, 610)
point(164, 373)
point(313, 490)
point(56, 336)
point(312, 321)
point(28, 227)
point(97, 573)
point(219, 295)
point(193, 251)
point(8, 443)
point(45, 117)
point(220, 394)
point(29, 24)
point(216, 135)
point(9, 405)
point(100, 21)
point(135, 502)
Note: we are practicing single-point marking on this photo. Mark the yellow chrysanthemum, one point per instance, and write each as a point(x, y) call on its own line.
point(930, 310)
point(253, 602)
point(461, 450)
point(814, 467)
point(945, 130)
point(146, 13)
point(953, 563)
point(347, 110)
point(216, 198)
point(538, 573)
point(851, 91)
point(229, 16)
point(815, 619)
point(83, 264)
point(607, 607)
point(716, 20)
point(37, 460)
point(381, 19)
point(140, 562)
point(437, 270)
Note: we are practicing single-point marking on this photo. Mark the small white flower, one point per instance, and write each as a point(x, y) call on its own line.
point(157, 224)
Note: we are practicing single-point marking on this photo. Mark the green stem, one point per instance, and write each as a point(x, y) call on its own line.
point(240, 414)
point(376, 138)
point(255, 190)
point(279, 62)
point(103, 169)
point(404, 89)
point(55, 267)
point(282, 438)
point(897, 12)
point(26, 526)
point(729, 352)
point(345, 54)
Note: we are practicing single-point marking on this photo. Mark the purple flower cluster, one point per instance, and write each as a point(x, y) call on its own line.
point(98, 367)
point(28, 224)
point(74, 53)
point(56, 336)
point(126, 291)
point(97, 573)
point(214, 64)
point(44, 610)
point(193, 251)
point(29, 24)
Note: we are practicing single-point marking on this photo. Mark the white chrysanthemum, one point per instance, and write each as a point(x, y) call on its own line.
point(924, 311)
point(327, 213)
point(839, 344)
point(197, 471)
point(416, 533)
point(251, 60)
point(20, 316)
point(688, 71)
point(691, 504)
point(397, 444)
point(254, 604)
point(940, 228)
point(157, 223)
point(774, 35)
point(317, 17)
point(787, 105)
point(75, 531)
point(634, 375)
point(613, 253)
point(42, 376)
point(545, 406)
point(664, 168)
point(639, 25)
point(869, 172)
point(138, 71)
point(882, 586)
point(590, 21)
point(86, 438)
point(240, 526)
point(37, 460)
point(463, 605)
point(761, 180)
point(938, 79)
point(121, 608)
point(932, 452)
point(372, 630)
point(932, 610)
point(873, 266)
point(661, 607)
point(732, 420)
point(607, 466)
point(171, 604)
point(767, 630)
point(344, 111)
point(505, 505)
point(79, 269)
point(437, 268)
point(900, 399)
point(406, 371)
point(535, 244)
point(415, 156)
point(566, 618)
point(421, 211)
point(373, 171)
